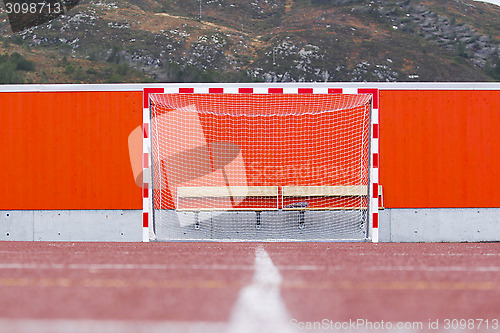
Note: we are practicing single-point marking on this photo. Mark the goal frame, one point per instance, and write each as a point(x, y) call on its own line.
point(258, 88)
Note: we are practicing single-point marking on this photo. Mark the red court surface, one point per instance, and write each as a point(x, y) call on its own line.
point(248, 287)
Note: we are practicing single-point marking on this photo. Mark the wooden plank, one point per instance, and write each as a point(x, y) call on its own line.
point(324, 191)
point(227, 191)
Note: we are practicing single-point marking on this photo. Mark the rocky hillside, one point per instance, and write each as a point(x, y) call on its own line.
point(262, 40)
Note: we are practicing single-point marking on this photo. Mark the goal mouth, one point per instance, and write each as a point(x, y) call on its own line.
point(232, 160)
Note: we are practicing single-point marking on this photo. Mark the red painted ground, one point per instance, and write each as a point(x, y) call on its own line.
point(200, 282)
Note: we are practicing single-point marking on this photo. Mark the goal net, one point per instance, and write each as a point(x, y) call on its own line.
point(260, 166)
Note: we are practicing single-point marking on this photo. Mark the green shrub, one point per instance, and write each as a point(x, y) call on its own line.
point(11, 67)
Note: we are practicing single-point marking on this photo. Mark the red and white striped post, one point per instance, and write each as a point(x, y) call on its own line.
point(146, 163)
point(374, 162)
point(374, 158)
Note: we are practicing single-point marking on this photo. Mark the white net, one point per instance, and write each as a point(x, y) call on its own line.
point(260, 166)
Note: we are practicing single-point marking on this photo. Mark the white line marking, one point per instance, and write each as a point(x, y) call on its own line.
point(123, 266)
point(259, 307)
point(434, 268)
point(323, 268)
point(403, 254)
point(106, 326)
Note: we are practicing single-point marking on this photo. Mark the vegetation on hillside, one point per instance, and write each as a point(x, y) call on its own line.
point(13, 67)
point(262, 40)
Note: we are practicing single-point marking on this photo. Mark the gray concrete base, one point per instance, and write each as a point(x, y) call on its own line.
point(265, 226)
point(72, 225)
point(440, 225)
point(396, 225)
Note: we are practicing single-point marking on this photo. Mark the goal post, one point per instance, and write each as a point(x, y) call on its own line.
point(249, 164)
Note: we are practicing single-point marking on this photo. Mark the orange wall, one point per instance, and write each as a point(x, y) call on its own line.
point(68, 150)
point(440, 148)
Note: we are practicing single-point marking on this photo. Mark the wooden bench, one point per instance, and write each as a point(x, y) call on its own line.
point(272, 192)
point(229, 192)
point(321, 191)
point(267, 191)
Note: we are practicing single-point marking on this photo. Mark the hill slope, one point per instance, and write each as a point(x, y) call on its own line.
point(263, 40)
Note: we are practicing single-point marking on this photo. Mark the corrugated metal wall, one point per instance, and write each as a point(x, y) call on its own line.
point(69, 150)
point(440, 148)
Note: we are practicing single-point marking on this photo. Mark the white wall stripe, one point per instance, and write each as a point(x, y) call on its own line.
point(171, 87)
